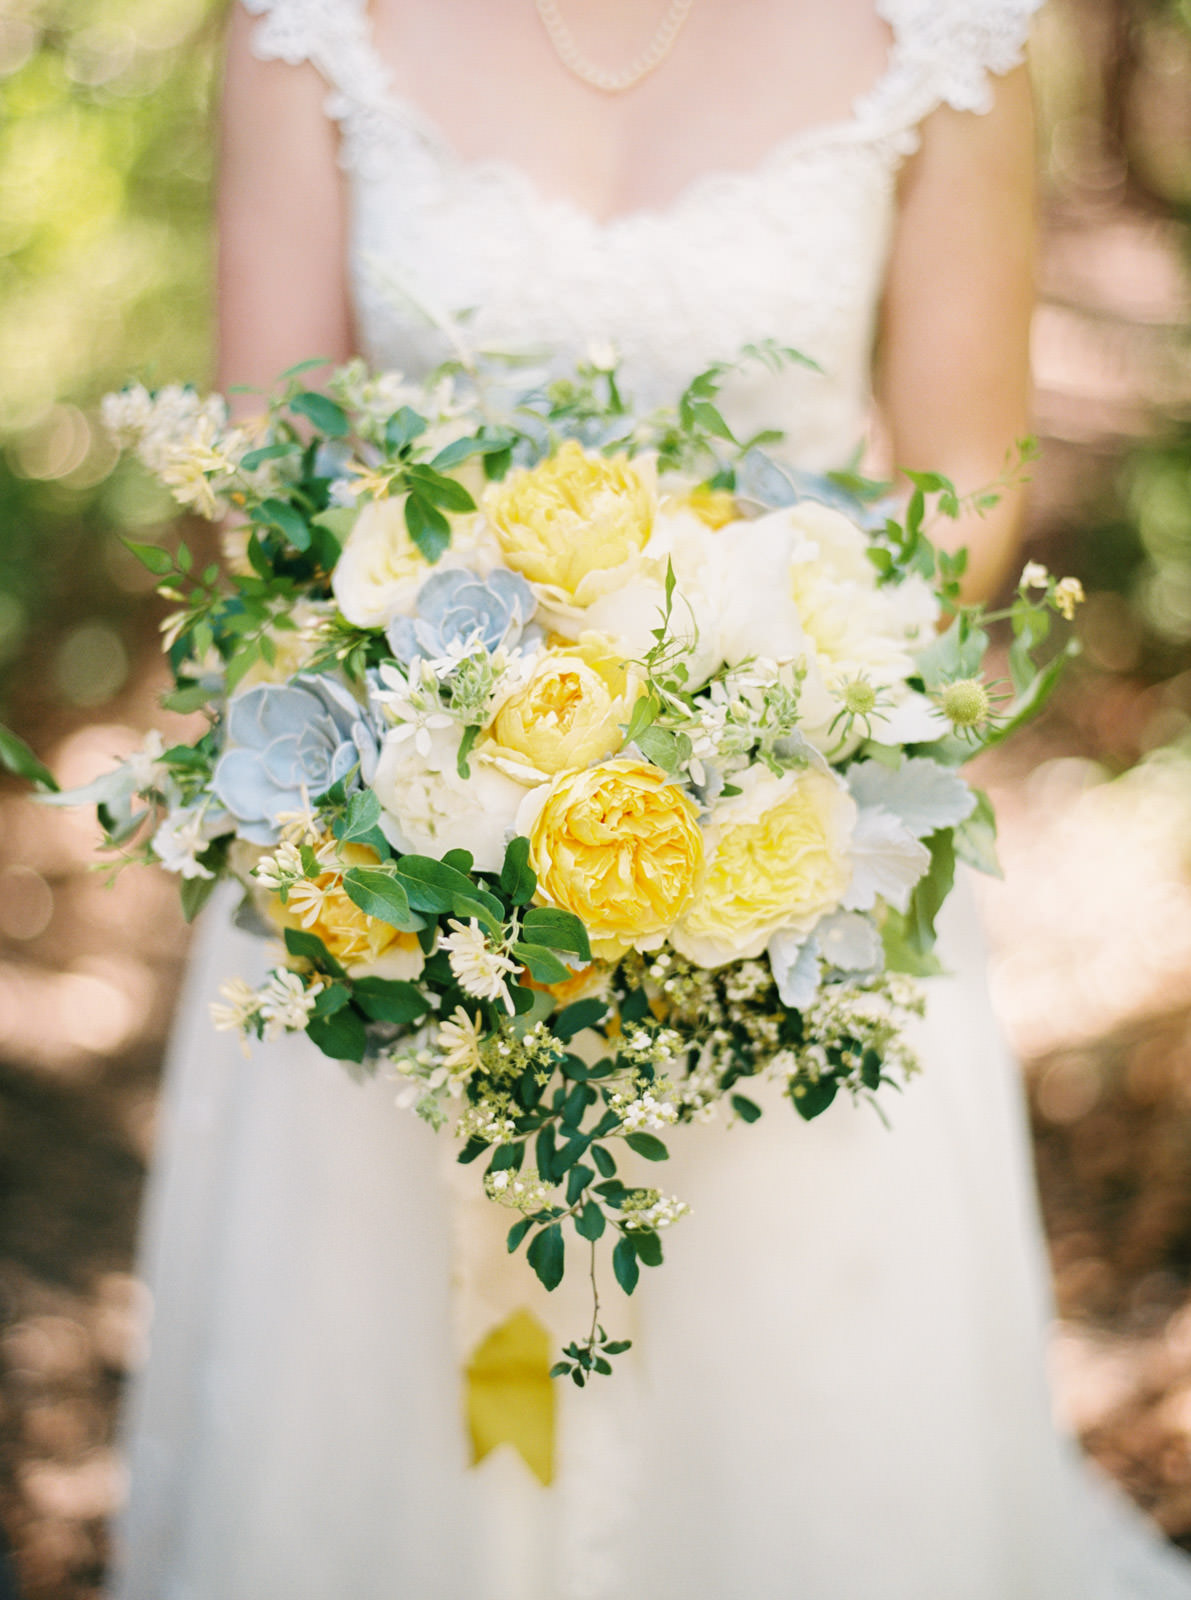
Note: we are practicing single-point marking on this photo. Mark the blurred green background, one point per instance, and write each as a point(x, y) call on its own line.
point(105, 256)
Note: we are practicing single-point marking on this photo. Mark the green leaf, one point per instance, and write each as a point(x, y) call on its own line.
point(17, 758)
point(1030, 704)
point(428, 528)
point(194, 894)
point(574, 1018)
point(547, 1256)
point(578, 1180)
point(931, 890)
point(342, 1036)
point(870, 1070)
point(901, 954)
point(603, 1160)
point(338, 521)
point(390, 1000)
point(326, 416)
point(976, 838)
point(647, 1145)
point(440, 491)
point(331, 999)
point(277, 514)
point(517, 1232)
point(517, 878)
point(309, 947)
point(544, 966)
point(625, 1265)
point(748, 1110)
point(363, 814)
point(812, 1099)
point(268, 452)
point(648, 1247)
point(494, 442)
point(428, 880)
point(403, 427)
point(158, 561)
point(192, 697)
point(461, 860)
point(380, 895)
point(561, 930)
point(591, 1222)
point(308, 365)
point(644, 713)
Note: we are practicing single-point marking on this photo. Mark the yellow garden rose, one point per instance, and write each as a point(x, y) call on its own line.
point(778, 857)
point(619, 846)
point(571, 711)
point(362, 944)
point(573, 519)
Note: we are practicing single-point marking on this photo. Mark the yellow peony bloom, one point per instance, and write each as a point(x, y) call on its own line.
point(778, 858)
point(364, 945)
point(619, 846)
point(715, 508)
point(573, 517)
point(571, 711)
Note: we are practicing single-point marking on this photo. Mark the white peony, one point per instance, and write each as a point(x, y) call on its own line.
point(429, 809)
point(381, 569)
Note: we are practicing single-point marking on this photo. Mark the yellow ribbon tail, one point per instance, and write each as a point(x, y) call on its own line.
point(510, 1394)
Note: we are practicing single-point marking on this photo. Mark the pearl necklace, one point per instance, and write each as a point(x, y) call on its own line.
point(648, 61)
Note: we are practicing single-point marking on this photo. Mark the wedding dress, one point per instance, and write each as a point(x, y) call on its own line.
point(836, 1390)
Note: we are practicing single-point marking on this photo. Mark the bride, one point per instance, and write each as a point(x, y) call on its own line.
point(869, 1420)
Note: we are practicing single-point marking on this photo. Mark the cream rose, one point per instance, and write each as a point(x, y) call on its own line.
point(777, 858)
point(429, 809)
point(381, 569)
point(570, 712)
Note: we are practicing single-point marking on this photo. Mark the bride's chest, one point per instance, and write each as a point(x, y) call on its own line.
point(792, 250)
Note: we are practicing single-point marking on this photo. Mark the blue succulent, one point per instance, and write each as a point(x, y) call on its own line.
point(286, 738)
point(458, 611)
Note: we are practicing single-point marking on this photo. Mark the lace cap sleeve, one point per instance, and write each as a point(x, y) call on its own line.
point(946, 52)
point(333, 35)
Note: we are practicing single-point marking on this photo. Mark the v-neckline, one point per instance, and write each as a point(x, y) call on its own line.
point(860, 123)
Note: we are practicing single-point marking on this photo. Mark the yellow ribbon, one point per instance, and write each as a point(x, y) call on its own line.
point(510, 1394)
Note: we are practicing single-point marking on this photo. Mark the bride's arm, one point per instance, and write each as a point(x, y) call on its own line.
point(953, 374)
point(282, 294)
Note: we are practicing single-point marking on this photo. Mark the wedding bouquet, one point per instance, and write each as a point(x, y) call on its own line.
point(587, 764)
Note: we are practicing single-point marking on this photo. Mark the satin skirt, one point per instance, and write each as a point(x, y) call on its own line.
point(836, 1391)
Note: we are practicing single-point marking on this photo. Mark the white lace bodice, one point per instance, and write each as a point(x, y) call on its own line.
point(793, 249)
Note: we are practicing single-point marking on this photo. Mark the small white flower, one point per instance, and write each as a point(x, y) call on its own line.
point(1069, 594)
point(238, 1008)
point(480, 969)
point(285, 1002)
point(459, 1040)
point(180, 840)
point(284, 866)
point(1034, 576)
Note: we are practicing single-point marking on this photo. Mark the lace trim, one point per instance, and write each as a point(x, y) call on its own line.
point(943, 52)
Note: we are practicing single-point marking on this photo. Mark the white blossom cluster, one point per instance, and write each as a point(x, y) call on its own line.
point(183, 438)
point(648, 1108)
point(648, 1210)
point(525, 1191)
point(282, 1004)
point(845, 1020)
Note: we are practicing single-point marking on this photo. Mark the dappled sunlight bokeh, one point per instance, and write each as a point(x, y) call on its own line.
point(105, 253)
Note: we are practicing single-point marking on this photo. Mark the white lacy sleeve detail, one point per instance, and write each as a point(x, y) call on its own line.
point(945, 52)
point(335, 37)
